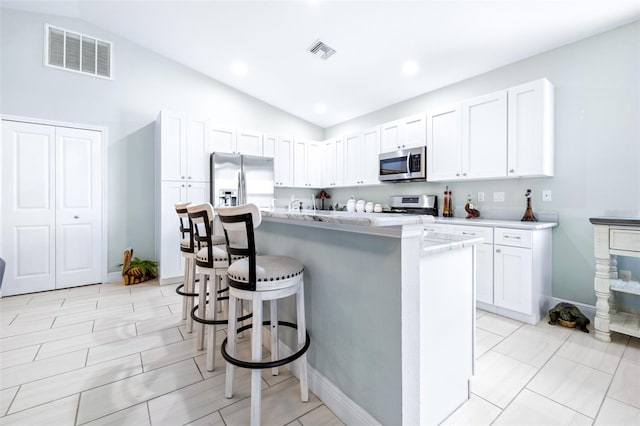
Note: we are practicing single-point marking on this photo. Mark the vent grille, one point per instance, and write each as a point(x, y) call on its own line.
point(322, 50)
point(77, 52)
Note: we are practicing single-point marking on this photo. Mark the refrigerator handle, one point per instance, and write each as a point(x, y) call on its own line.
point(243, 182)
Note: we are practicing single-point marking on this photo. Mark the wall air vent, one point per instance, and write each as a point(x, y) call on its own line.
point(76, 52)
point(321, 50)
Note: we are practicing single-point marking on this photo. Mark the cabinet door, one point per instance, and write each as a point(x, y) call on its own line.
point(370, 150)
point(513, 278)
point(223, 139)
point(328, 163)
point(269, 146)
point(390, 137)
point(197, 150)
point(173, 133)
point(352, 159)
point(414, 131)
point(314, 164)
point(283, 162)
point(484, 273)
point(484, 136)
point(339, 159)
point(530, 143)
point(444, 144)
point(300, 163)
point(249, 143)
point(170, 261)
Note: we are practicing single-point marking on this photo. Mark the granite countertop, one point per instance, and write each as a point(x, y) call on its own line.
point(434, 242)
point(513, 224)
point(347, 218)
point(611, 220)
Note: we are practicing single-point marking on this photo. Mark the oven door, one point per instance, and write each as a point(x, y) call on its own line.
point(408, 164)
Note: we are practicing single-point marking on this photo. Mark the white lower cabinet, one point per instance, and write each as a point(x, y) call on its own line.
point(512, 284)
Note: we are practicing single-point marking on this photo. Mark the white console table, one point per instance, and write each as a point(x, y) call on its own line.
point(614, 237)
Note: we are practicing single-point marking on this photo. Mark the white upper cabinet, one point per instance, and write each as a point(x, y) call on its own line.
point(248, 142)
point(307, 162)
point(283, 161)
point(352, 159)
point(484, 136)
point(361, 157)
point(269, 146)
point(184, 147)
point(333, 163)
point(530, 146)
point(223, 139)
point(444, 143)
point(408, 132)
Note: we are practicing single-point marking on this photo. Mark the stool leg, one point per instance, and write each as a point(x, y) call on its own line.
point(211, 338)
point(256, 355)
point(185, 288)
point(274, 334)
point(190, 285)
point(231, 346)
point(241, 334)
point(202, 308)
point(302, 335)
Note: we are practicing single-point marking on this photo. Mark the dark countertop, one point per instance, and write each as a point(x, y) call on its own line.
point(619, 221)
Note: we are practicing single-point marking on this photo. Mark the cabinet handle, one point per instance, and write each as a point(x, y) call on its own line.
point(464, 174)
point(512, 171)
point(189, 177)
point(457, 174)
point(403, 146)
point(76, 217)
point(497, 250)
point(468, 233)
point(181, 177)
point(513, 238)
point(183, 185)
point(189, 185)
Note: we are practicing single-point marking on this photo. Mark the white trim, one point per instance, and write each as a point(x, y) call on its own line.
point(588, 310)
point(104, 273)
point(342, 406)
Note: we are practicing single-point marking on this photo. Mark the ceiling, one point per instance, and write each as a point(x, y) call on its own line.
point(449, 40)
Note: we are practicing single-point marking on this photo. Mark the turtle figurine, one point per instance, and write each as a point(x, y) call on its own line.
point(568, 315)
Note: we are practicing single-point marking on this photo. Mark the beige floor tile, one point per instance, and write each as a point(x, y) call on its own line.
point(84, 341)
point(320, 416)
point(137, 415)
point(158, 301)
point(531, 409)
point(152, 314)
point(480, 313)
point(36, 370)
point(176, 308)
point(29, 339)
point(169, 321)
point(18, 356)
point(37, 313)
point(26, 327)
point(82, 290)
point(212, 419)
point(586, 350)
point(475, 412)
point(122, 394)
point(616, 413)
point(60, 412)
point(115, 312)
point(529, 344)
point(497, 324)
point(571, 384)
point(280, 405)
point(169, 354)
point(485, 340)
point(198, 400)
point(632, 351)
point(6, 397)
point(626, 384)
point(120, 348)
point(499, 378)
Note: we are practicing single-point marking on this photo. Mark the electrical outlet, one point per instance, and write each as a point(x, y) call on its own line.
point(480, 196)
point(546, 195)
point(498, 197)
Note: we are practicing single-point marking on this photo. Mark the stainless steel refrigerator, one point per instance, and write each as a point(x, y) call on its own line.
point(240, 179)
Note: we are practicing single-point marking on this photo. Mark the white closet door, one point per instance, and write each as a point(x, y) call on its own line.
point(78, 207)
point(28, 207)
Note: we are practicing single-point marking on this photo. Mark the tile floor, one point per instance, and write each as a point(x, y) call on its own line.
point(110, 354)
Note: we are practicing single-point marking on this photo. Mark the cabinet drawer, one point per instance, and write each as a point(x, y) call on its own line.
point(474, 231)
point(625, 239)
point(513, 237)
point(437, 227)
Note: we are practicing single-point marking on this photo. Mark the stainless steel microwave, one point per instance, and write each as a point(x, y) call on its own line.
point(404, 165)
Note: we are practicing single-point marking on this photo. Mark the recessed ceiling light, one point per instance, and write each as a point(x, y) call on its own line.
point(321, 108)
point(410, 68)
point(240, 68)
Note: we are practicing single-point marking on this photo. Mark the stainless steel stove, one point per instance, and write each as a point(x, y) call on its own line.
point(414, 204)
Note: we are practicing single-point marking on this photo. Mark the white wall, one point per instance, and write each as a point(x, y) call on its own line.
point(597, 147)
point(143, 84)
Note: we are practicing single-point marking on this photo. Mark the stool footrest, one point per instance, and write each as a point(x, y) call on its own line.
point(254, 365)
point(196, 318)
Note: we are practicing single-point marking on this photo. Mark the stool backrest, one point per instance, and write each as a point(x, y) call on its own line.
point(238, 223)
point(201, 217)
point(186, 226)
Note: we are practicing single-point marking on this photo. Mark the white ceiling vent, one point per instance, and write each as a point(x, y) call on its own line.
point(77, 52)
point(321, 50)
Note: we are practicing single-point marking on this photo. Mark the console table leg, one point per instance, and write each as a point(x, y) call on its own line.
point(606, 269)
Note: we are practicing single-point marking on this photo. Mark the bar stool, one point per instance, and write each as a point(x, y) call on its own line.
point(212, 263)
point(187, 249)
point(260, 278)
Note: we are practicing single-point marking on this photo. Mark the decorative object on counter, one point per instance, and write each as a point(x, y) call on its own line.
point(351, 204)
point(360, 206)
point(567, 315)
point(331, 206)
point(368, 207)
point(471, 212)
point(136, 270)
point(528, 213)
point(447, 209)
point(323, 195)
point(377, 208)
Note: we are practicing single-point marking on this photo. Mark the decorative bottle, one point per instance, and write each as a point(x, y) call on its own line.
point(528, 213)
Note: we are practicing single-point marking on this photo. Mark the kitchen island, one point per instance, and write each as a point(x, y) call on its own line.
point(390, 312)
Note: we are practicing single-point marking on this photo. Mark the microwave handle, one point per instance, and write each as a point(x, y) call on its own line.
point(408, 163)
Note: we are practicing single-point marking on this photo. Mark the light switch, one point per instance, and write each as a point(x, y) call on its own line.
point(498, 197)
point(546, 195)
point(480, 196)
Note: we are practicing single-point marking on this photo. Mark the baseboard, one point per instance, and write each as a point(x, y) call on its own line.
point(342, 406)
point(588, 310)
point(114, 277)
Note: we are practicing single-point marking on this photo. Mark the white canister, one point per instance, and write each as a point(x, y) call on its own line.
point(351, 205)
point(360, 206)
point(368, 207)
point(377, 208)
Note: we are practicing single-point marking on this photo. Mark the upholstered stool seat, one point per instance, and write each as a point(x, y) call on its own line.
point(272, 272)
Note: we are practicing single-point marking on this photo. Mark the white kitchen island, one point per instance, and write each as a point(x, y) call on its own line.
point(390, 312)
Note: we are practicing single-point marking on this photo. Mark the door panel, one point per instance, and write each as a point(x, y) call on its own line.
point(171, 263)
point(197, 148)
point(444, 144)
point(78, 207)
point(174, 162)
